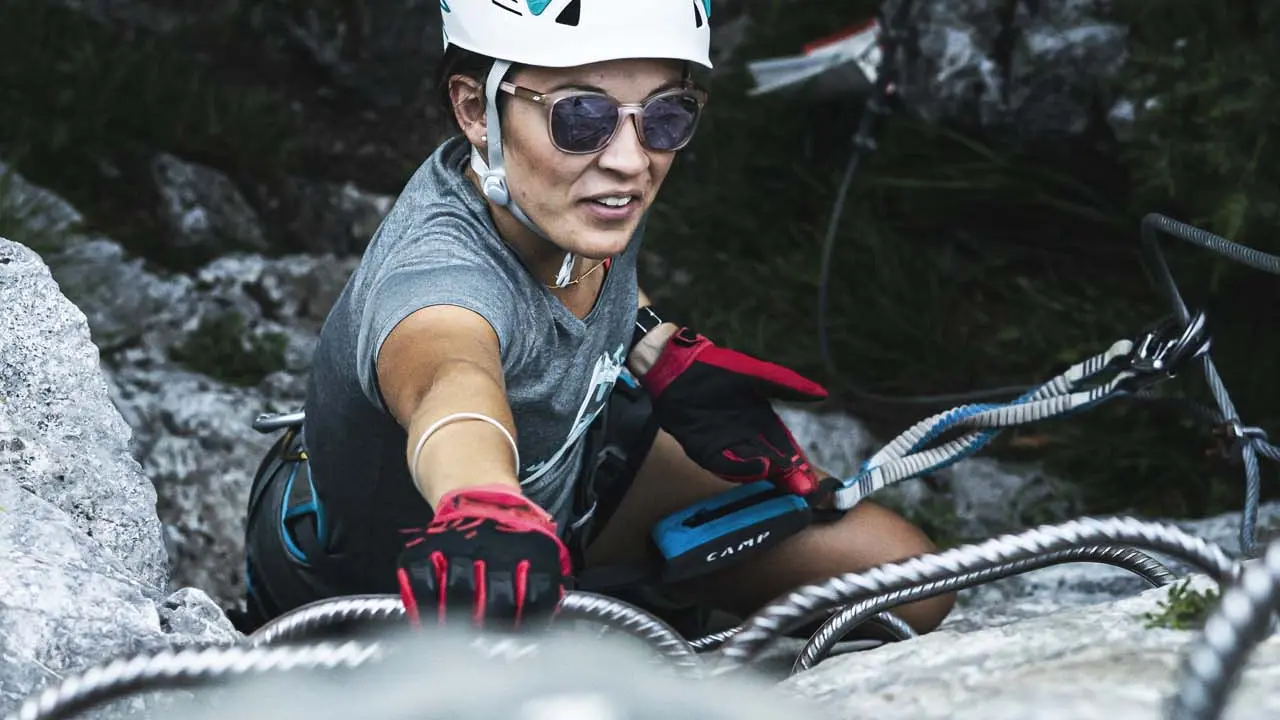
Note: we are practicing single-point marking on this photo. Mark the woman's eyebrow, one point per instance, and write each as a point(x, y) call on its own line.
point(573, 85)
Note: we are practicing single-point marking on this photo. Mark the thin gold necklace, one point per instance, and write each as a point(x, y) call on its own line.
point(581, 277)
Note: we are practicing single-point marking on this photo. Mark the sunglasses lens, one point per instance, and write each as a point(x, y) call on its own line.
point(583, 123)
point(669, 121)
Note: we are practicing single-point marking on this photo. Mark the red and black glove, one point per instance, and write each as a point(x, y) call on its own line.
point(490, 554)
point(715, 403)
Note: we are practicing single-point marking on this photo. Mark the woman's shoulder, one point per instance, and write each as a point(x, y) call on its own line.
point(436, 209)
point(439, 190)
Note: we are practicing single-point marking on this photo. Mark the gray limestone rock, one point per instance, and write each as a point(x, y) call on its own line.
point(1083, 663)
point(62, 440)
point(203, 209)
point(82, 564)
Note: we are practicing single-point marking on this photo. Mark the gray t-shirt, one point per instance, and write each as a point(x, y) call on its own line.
point(438, 246)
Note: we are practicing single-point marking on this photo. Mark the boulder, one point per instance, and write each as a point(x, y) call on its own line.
point(64, 443)
point(83, 568)
point(1023, 70)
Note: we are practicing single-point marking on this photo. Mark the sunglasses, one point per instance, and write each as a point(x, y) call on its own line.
point(582, 121)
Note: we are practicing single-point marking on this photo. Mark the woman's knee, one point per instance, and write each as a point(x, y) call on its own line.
point(866, 536)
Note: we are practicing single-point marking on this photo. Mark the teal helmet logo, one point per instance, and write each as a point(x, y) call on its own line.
point(538, 6)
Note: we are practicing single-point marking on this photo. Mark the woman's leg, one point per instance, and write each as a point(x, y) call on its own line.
point(867, 535)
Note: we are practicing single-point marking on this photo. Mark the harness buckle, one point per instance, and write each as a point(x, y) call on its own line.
point(1164, 350)
point(267, 423)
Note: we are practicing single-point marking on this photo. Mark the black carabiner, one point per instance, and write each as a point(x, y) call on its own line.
point(1165, 350)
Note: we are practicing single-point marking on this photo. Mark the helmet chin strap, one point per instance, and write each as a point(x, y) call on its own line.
point(493, 176)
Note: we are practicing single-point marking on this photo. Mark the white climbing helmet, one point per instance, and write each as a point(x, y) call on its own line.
point(565, 33)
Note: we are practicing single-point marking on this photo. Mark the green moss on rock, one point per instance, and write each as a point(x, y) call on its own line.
point(222, 348)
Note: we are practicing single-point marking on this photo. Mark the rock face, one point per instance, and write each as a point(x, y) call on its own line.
point(1026, 70)
point(83, 570)
point(60, 445)
point(188, 361)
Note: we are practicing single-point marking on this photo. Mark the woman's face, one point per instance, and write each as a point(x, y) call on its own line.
point(565, 194)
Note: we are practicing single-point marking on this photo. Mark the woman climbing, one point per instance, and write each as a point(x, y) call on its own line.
point(493, 404)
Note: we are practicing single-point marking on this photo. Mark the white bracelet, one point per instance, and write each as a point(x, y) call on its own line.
point(417, 451)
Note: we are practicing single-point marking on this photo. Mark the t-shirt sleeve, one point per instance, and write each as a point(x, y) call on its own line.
point(427, 279)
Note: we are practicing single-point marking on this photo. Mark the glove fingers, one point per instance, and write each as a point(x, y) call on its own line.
point(741, 462)
point(792, 472)
point(423, 580)
point(782, 383)
point(541, 595)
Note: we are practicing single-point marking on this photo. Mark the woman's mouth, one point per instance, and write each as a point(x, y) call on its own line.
point(612, 208)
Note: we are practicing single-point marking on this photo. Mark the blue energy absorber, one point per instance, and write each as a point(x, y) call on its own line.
point(726, 528)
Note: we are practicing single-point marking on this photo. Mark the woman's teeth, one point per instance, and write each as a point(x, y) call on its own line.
point(614, 201)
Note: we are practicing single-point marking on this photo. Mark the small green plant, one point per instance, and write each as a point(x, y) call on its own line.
point(1185, 609)
point(222, 348)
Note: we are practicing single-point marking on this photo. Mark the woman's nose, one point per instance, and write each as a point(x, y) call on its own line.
point(625, 153)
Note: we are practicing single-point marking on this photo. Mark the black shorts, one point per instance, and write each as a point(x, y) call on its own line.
point(286, 567)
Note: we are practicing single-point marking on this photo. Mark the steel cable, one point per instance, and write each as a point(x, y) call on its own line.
point(192, 667)
point(851, 616)
point(576, 605)
point(1152, 225)
point(169, 669)
point(1211, 667)
point(895, 626)
point(806, 603)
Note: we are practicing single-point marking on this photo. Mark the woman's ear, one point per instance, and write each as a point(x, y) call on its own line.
point(467, 97)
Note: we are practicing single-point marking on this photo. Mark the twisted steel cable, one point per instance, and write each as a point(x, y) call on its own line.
point(805, 603)
point(843, 622)
point(577, 605)
point(1212, 665)
point(1152, 225)
point(898, 628)
point(635, 622)
point(299, 622)
point(184, 668)
point(169, 669)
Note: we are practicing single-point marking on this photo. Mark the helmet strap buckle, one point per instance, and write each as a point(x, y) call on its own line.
point(493, 176)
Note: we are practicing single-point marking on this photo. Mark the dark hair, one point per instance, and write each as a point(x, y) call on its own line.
point(458, 61)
